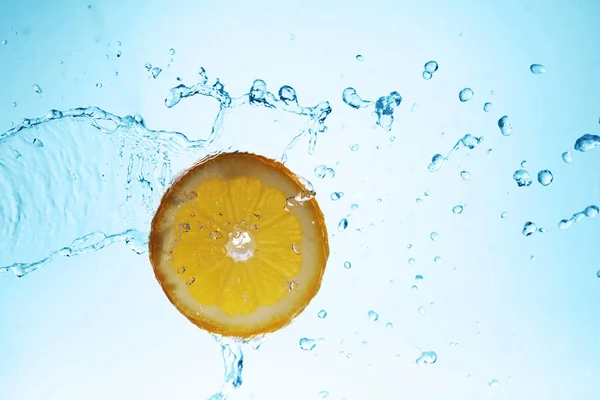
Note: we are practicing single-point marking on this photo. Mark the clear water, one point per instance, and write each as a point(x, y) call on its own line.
point(437, 236)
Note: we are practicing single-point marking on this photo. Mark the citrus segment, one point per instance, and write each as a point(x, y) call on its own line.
point(230, 249)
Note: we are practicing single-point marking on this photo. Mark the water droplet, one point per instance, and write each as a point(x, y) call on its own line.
point(434, 236)
point(487, 107)
point(373, 316)
point(566, 156)
point(426, 358)
point(453, 344)
point(342, 225)
point(437, 259)
point(431, 67)
point(172, 51)
point(5, 41)
point(418, 278)
point(156, 72)
point(307, 344)
point(354, 147)
point(587, 142)
point(532, 257)
point(359, 57)
point(545, 177)
point(190, 281)
point(336, 195)
point(591, 211)
point(411, 261)
point(351, 98)
point(13, 104)
point(364, 343)
point(414, 107)
point(457, 209)
point(529, 228)
point(421, 310)
point(99, 85)
point(181, 270)
point(427, 75)
point(354, 207)
point(414, 288)
point(322, 314)
point(347, 265)
point(293, 286)
point(564, 224)
point(389, 326)
point(505, 126)
point(465, 175)
point(524, 164)
point(493, 383)
point(436, 162)
point(598, 273)
point(522, 178)
point(465, 95)
point(537, 69)
point(37, 89)
point(295, 249)
point(504, 214)
point(215, 235)
point(323, 394)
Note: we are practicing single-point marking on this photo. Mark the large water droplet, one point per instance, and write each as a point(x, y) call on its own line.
point(322, 314)
point(487, 107)
point(458, 209)
point(529, 228)
point(587, 142)
point(522, 178)
point(307, 344)
point(505, 126)
point(537, 69)
point(545, 177)
point(342, 225)
point(426, 358)
point(436, 162)
point(431, 67)
point(465, 95)
point(566, 156)
point(591, 211)
point(373, 316)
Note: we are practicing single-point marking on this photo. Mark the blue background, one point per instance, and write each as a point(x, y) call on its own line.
point(97, 326)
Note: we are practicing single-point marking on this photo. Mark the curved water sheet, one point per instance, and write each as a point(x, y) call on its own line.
point(79, 180)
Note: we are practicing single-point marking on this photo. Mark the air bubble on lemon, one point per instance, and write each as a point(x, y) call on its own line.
point(238, 245)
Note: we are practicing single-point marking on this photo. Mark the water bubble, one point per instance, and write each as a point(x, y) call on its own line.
point(359, 57)
point(493, 383)
point(431, 67)
point(373, 316)
point(591, 211)
point(529, 228)
point(354, 147)
point(487, 107)
point(307, 344)
point(434, 236)
point(545, 177)
point(522, 178)
point(505, 126)
point(347, 265)
point(389, 326)
point(99, 85)
point(566, 156)
point(322, 314)
point(465, 95)
point(156, 72)
point(336, 195)
point(342, 225)
point(504, 214)
point(465, 175)
point(458, 209)
point(419, 278)
point(436, 162)
point(587, 142)
point(421, 310)
point(411, 261)
point(537, 69)
point(323, 394)
point(426, 358)
point(427, 75)
point(37, 89)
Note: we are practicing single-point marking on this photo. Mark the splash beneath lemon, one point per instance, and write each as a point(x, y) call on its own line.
point(239, 245)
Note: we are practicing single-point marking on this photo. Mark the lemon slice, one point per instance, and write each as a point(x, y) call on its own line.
point(239, 245)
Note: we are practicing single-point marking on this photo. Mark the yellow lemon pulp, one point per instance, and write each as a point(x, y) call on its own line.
point(238, 245)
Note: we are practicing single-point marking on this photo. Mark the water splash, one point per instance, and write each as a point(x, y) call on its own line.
point(469, 141)
point(233, 360)
point(591, 211)
point(384, 106)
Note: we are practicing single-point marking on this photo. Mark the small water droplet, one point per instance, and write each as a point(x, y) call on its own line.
point(426, 358)
point(421, 310)
point(307, 344)
point(323, 394)
point(347, 265)
point(293, 286)
point(99, 85)
point(37, 89)
point(411, 261)
point(354, 147)
point(458, 209)
point(465, 175)
point(295, 249)
point(190, 281)
point(537, 69)
point(487, 107)
point(389, 326)
point(465, 95)
point(598, 273)
point(13, 104)
point(532, 257)
point(437, 259)
point(5, 41)
point(215, 235)
point(364, 343)
point(359, 57)
point(431, 66)
point(434, 236)
point(322, 314)
point(522, 178)
point(504, 214)
point(505, 126)
point(524, 164)
point(409, 246)
point(427, 75)
point(373, 316)
point(414, 288)
point(545, 177)
point(172, 51)
point(529, 228)
point(336, 195)
point(342, 225)
point(156, 72)
point(354, 207)
point(493, 383)
point(591, 211)
point(419, 278)
point(414, 107)
point(566, 156)
point(119, 53)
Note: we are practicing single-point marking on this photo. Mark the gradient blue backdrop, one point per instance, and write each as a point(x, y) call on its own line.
point(98, 326)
